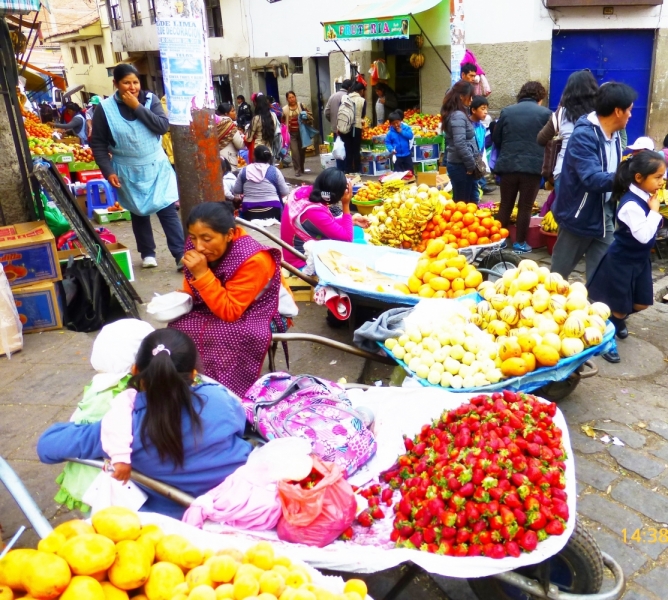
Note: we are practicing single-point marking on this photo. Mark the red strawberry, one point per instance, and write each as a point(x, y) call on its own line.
point(512, 500)
point(374, 501)
point(497, 551)
point(460, 550)
point(435, 506)
point(406, 530)
point(408, 444)
point(364, 519)
point(537, 521)
point(416, 539)
point(512, 549)
point(529, 541)
point(484, 537)
point(534, 449)
point(520, 516)
point(376, 512)
point(405, 507)
point(467, 490)
point(348, 534)
point(507, 515)
point(375, 489)
point(386, 496)
point(496, 522)
point(517, 479)
point(475, 550)
point(560, 509)
point(448, 518)
point(429, 535)
point(394, 536)
point(554, 527)
point(509, 396)
point(448, 533)
point(463, 535)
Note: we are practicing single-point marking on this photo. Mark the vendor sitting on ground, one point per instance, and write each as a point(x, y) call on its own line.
point(235, 283)
point(308, 214)
point(184, 433)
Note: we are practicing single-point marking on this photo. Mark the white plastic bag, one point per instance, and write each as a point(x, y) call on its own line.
point(11, 329)
point(339, 150)
point(169, 307)
point(105, 491)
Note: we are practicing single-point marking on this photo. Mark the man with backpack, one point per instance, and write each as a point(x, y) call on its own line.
point(349, 125)
point(332, 114)
point(244, 112)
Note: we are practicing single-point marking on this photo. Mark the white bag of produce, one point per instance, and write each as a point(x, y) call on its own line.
point(339, 150)
point(11, 329)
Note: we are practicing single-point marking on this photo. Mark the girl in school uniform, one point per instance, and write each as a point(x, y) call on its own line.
point(623, 280)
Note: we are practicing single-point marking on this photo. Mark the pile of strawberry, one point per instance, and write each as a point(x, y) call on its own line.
point(486, 479)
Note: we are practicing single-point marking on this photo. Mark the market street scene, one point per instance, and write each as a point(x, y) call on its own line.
point(362, 300)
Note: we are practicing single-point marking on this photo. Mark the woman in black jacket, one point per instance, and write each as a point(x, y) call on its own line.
point(460, 141)
point(520, 160)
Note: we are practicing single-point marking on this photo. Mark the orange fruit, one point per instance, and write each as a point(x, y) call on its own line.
point(481, 232)
point(497, 223)
point(494, 229)
point(487, 222)
point(464, 243)
point(483, 240)
point(461, 206)
point(472, 238)
point(471, 207)
point(456, 216)
point(504, 233)
point(447, 215)
point(496, 237)
point(468, 219)
point(464, 233)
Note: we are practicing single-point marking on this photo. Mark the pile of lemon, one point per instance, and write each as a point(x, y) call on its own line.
point(116, 558)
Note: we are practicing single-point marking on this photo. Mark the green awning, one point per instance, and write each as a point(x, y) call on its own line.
point(384, 20)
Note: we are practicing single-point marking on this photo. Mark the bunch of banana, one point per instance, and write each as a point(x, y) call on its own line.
point(549, 224)
point(391, 187)
point(417, 60)
point(419, 41)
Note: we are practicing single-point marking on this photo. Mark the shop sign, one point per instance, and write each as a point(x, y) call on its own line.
point(370, 29)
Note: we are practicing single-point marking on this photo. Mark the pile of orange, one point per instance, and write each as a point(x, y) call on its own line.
point(462, 225)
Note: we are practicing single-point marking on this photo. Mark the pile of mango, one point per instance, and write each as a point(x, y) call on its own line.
point(115, 558)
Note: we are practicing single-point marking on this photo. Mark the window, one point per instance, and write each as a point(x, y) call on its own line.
point(135, 13)
point(84, 55)
point(151, 10)
point(99, 55)
point(214, 18)
point(118, 56)
point(297, 64)
point(115, 16)
point(157, 63)
point(73, 50)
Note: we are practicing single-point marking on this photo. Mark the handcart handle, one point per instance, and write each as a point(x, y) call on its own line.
point(163, 489)
point(535, 590)
point(271, 236)
point(309, 337)
point(592, 372)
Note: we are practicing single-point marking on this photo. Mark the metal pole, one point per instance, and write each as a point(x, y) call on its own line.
point(432, 45)
point(197, 162)
point(30, 509)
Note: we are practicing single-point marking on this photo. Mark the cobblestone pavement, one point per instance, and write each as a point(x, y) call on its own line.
point(620, 488)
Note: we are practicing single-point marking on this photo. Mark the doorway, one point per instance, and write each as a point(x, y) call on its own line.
point(270, 84)
point(611, 55)
point(324, 92)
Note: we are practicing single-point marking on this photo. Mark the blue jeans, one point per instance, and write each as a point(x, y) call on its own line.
point(341, 165)
point(463, 185)
point(171, 225)
point(477, 190)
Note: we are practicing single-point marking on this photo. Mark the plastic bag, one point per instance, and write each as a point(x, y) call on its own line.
point(316, 516)
point(55, 220)
point(11, 328)
point(89, 308)
point(106, 491)
point(339, 151)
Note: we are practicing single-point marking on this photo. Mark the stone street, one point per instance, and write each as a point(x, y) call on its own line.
point(621, 488)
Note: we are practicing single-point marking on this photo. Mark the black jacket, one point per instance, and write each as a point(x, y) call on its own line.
point(244, 114)
point(101, 140)
point(515, 137)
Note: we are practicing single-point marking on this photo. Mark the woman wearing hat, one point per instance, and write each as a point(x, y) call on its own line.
point(129, 126)
point(90, 110)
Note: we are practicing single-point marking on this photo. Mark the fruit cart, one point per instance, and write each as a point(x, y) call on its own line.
point(569, 566)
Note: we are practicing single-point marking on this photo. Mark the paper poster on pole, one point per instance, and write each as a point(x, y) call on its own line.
point(184, 54)
point(457, 38)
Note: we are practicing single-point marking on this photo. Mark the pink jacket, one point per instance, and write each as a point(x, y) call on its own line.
point(116, 428)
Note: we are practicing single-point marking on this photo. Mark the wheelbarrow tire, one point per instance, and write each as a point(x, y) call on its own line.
point(581, 557)
point(558, 390)
point(500, 261)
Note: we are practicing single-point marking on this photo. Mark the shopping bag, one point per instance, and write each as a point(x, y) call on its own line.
point(55, 220)
point(89, 305)
point(339, 150)
point(11, 328)
point(316, 516)
point(106, 491)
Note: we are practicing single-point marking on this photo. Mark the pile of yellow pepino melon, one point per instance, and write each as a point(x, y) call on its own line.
point(116, 558)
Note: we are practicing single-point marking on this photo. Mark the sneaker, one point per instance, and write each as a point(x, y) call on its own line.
point(307, 170)
point(180, 265)
point(489, 189)
point(612, 356)
point(149, 263)
point(522, 248)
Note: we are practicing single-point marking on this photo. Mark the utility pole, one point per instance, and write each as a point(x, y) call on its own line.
point(184, 53)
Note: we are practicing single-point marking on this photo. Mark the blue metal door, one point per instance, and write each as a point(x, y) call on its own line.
point(611, 55)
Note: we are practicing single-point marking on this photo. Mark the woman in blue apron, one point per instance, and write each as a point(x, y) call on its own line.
point(76, 124)
point(126, 143)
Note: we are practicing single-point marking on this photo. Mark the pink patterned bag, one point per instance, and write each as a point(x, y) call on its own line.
point(279, 405)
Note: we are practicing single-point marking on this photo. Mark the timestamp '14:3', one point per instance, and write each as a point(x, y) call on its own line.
point(650, 535)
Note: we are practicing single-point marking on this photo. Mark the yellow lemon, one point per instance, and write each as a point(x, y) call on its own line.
point(111, 592)
point(202, 592)
point(249, 571)
point(162, 580)
point(152, 532)
point(233, 552)
point(282, 570)
point(117, 523)
point(178, 550)
point(199, 576)
point(83, 588)
point(222, 568)
point(12, 566)
point(46, 575)
point(75, 527)
point(225, 591)
point(303, 594)
point(245, 586)
point(272, 583)
point(148, 546)
point(295, 579)
point(356, 585)
point(282, 560)
point(89, 553)
point(51, 543)
point(131, 567)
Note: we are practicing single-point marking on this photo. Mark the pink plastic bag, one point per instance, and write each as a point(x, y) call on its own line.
point(318, 516)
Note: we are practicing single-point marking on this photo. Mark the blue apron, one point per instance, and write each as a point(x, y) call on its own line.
point(82, 135)
point(148, 183)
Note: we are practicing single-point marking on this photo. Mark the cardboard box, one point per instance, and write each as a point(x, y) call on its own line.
point(427, 152)
point(40, 307)
point(427, 178)
point(327, 161)
point(103, 216)
point(120, 253)
point(426, 166)
point(28, 253)
point(301, 290)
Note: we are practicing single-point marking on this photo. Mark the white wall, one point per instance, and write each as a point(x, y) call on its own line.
point(135, 39)
point(508, 21)
point(236, 38)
